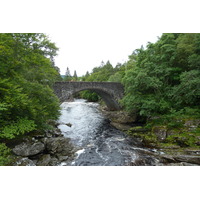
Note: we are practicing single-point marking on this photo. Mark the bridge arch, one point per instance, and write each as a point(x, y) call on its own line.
point(110, 92)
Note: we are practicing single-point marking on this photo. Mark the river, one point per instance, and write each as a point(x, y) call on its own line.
point(99, 143)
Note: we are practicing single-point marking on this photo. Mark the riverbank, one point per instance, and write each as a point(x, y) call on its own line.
point(179, 145)
point(87, 139)
point(96, 135)
point(48, 148)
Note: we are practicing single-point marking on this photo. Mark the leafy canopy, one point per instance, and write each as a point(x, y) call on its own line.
point(27, 72)
point(165, 76)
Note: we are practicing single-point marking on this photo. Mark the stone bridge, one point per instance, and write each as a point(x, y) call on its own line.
point(111, 92)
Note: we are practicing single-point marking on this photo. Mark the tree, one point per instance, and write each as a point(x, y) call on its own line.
point(164, 77)
point(75, 77)
point(68, 76)
point(27, 101)
point(87, 74)
point(101, 73)
point(105, 72)
point(117, 77)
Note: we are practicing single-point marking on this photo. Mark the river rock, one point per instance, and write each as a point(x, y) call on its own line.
point(29, 149)
point(69, 124)
point(24, 162)
point(192, 151)
point(188, 164)
point(54, 162)
point(172, 132)
point(167, 158)
point(44, 160)
point(192, 124)
point(160, 132)
point(122, 127)
point(180, 164)
point(53, 133)
point(198, 140)
point(59, 145)
point(63, 158)
point(121, 117)
point(138, 129)
point(188, 159)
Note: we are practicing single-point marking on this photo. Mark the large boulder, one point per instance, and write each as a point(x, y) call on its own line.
point(29, 149)
point(121, 127)
point(60, 146)
point(121, 117)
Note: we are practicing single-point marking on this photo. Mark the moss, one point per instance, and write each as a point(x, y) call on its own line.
point(184, 139)
point(148, 138)
point(151, 138)
point(167, 146)
point(196, 131)
point(169, 132)
point(137, 129)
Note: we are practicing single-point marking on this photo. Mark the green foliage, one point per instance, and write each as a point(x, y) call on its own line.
point(27, 73)
point(3, 107)
point(147, 137)
point(175, 119)
point(4, 155)
point(75, 77)
point(90, 96)
point(17, 128)
point(67, 76)
point(44, 105)
point(164, 77)
point(103, 73)
point(187, 93)
point(117, 77)
point(181, 126)
point(184, 139)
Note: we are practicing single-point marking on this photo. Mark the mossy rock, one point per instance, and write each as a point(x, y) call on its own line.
point(184, 139)
point(168, 146)
point(138, 129)
point(192, 123)
point(160, 132)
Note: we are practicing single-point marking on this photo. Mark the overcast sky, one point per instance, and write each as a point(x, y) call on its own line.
point(86, 50)
point(90, 31)
point(95, 31)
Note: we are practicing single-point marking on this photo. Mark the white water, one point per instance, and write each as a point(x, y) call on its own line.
point(84, 118)
point(98, 142)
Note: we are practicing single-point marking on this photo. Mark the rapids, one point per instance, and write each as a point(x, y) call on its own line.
point(98, 143)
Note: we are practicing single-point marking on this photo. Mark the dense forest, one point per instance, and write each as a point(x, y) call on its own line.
point(161, 81)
